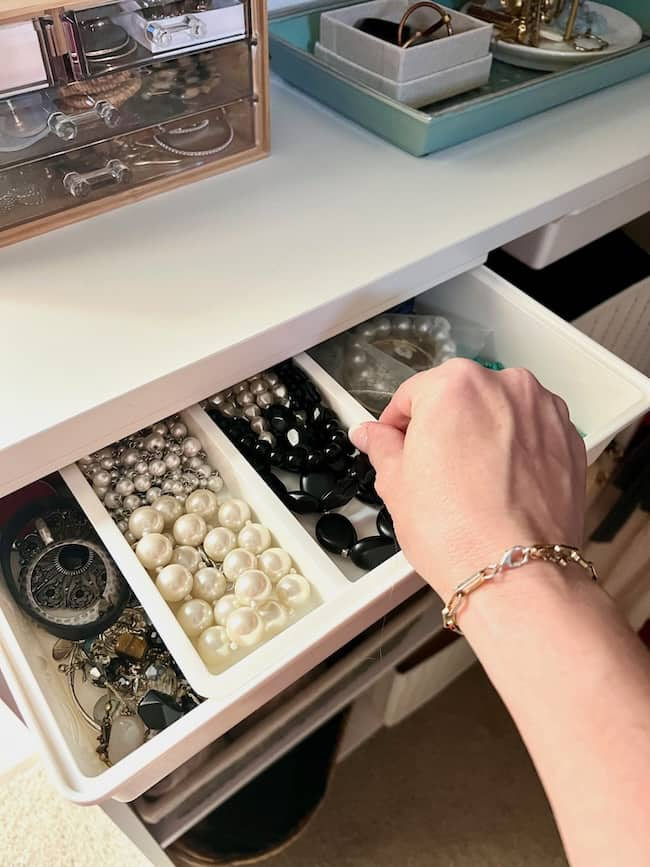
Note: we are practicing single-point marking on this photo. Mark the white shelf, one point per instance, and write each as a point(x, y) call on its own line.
point(120, 320)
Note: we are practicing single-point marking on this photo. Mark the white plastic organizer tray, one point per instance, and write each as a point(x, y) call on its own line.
point(604, 395)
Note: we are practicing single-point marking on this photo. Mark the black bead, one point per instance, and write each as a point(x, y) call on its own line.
point(333, 452)
point(372, 551)
point(367, 494)
point(157, 710)
point(262, 449)
point(294, 436)
point(335, 533)
point(335, 499)
point(317, 484)
point(332, 426)
point(321, 414)
point(279, 418)
point(301, 503)
point(339, 467)
point(276, 485)
point(339, 436)
point(385, 523)
point(314, 458)
point(276, 457)
point(295, 459)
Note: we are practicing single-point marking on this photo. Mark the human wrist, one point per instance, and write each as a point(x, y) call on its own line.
point(516, 599)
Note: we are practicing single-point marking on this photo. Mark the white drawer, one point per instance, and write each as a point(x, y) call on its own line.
point(561, 237)
point(604, 395)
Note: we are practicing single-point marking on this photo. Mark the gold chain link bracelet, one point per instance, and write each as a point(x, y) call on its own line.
point(513, 558)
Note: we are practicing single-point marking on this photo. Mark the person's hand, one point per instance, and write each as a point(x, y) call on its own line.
point(471, 462)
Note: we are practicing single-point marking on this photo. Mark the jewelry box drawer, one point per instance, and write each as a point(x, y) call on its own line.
point(118, 36)
point(119, 166)
point(48, 123)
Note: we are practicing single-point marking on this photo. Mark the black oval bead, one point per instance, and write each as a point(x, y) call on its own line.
point(372, 551)
point(335, 533)
point(334, 500)
point(276, 457)
point(385, 523)
point(276, 484)
point(317, 483)
point(301, 503)
point(338, 436)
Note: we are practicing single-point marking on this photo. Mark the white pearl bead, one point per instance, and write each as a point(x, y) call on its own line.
point(274, 615)
point(124, 487)
point(203, 503)
point(178, 430)
point(237, 561)
point(127, 733)
point(224, 607)
point(275, 562)
point(218, 543)
point(244, 627)
point(131, 503)
point(294, 590)
point(253, 586)
point(154, 550)
point(213, 646)
point(146, 520)
point(169, 508)
point(190, 529)
point(254, 537)
point(209, 584)
point(234, 514)
point(174, 582)
point(194, 616)
point(188, 557)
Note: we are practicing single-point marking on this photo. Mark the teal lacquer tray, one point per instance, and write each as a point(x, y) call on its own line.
point(510, 95)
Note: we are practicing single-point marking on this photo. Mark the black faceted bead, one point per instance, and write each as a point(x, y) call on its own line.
point(339, 436)
point(372, 551)
point(317, 484)
point(295, 436)
point(158, 710)
point(314, 458)
point(333, 452)
point(279, 419)
point(385, 523)
point(276, 485)
point(295, 459)
point(301, 503)
point(335, 533)
point(262, 449)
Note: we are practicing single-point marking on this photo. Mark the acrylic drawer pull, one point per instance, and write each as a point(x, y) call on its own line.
point(66, 126)
point(80, 185)
point(161, 35)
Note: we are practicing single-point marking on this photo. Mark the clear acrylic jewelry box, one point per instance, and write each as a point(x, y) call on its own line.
point(105, 105)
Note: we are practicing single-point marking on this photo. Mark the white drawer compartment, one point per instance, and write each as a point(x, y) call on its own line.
point(561, 237)
point(604, 395)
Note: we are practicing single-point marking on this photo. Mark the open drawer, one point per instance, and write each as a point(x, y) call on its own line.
point(604, 395)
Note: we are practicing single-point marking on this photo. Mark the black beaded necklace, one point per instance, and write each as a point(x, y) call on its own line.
point(278, 420)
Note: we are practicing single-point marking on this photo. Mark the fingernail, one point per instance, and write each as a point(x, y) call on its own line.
point(359, 436)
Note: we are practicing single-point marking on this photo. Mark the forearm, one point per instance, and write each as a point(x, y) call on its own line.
point(577, 683)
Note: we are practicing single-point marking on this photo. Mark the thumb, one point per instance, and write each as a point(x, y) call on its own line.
point(381, 442)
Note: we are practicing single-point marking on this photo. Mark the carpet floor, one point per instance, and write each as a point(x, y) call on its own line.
point(452, 786)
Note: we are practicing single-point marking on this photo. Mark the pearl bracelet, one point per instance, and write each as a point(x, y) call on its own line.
point(513, 558)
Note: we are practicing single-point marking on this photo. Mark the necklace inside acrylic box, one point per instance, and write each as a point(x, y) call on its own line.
point(102, 106)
